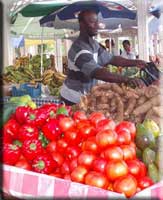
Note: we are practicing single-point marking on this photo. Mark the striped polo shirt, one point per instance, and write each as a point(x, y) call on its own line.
point(84, 57)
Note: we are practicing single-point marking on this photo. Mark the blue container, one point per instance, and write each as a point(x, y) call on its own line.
point(34, 91)
point(26, 88)
point(18, 92)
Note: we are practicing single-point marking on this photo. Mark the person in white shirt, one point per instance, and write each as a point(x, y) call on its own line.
point(127, 52)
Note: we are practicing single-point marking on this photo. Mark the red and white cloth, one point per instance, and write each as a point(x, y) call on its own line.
point(21, 183)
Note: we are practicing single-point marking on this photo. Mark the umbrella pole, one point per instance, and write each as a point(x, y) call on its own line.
point(42, 50)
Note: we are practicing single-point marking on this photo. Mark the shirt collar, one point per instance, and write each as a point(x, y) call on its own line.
point(86, 38)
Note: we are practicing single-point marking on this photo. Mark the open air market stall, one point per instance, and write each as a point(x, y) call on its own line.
point(109, 145)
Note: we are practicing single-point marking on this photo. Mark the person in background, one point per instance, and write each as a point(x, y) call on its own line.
point(86, 61)
point(127, 52)
point(107, 45)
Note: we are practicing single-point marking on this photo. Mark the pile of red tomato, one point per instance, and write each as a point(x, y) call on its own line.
point(87, 149)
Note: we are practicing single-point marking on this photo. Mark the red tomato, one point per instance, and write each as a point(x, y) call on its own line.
point(144, 182)
point(127, 125)
point(52, 146)
point(134, 167)
point(72, 152)
point(95, 117)
point(57, 157)
point(67, 177)
point(96, 179)
point(65, 169)
point(55, 174)
point(72, 136)
point(87, 131)
point(66, 124)
point(106, 138)
point(129, 152)
point(124, 137)
point(86, 158)
point(143, 169)
point(99, 164)
point(113, 153)
point(73, 164)
point(90, 145)
point(79, 115)
point(105, 124)
point(126, 185)
point(116, 169)
point(78, 174)
point(132, 144)
point(82, 123)
point(22, 163)
point(62, 145)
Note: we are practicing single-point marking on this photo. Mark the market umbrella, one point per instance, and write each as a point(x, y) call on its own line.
point(107, 9)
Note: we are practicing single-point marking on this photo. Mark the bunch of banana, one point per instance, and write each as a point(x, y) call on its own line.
point(54, 91)
point(29, 72)
point(47, 76)
point(24, 61)
point(20, 75)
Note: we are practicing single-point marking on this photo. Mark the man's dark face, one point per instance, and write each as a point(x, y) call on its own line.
point(90, 23)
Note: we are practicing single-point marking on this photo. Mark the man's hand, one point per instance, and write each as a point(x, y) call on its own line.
point(141, 63)
point(137, 82)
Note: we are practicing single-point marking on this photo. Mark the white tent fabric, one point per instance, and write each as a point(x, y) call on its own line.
point(30, 28)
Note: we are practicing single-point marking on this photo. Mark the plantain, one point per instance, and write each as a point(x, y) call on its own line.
point(29, 72)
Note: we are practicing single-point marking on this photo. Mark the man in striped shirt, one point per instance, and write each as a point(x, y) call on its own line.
point(86, 59)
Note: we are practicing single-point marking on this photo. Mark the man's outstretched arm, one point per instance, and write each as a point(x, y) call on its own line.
point(123, 62)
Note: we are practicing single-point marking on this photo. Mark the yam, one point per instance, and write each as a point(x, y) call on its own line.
point(149, 114)
point(130, 106)
point(151, 91)
point(158, 110)
point(97, 93)
point(83, 103)
point(107, 114)
point(116, 88)
point(103, 100)
point(140, 91)
point(99, 87)
point(113, 102)
point(109, 94)
point(141, 100)
point(129, 93)
point(103, 106)
point(154, 101)
point(120, 110)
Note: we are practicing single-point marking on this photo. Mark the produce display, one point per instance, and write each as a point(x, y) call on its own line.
point(149, 144)
point(53, 80)
point(10, 107)
point(120, 102)
point(86, 148)
point(32, 75)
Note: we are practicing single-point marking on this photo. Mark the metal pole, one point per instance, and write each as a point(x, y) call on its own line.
point(143, 34)
point(42, 50)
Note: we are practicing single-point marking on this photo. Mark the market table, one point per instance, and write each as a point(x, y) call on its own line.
point(21, 183)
